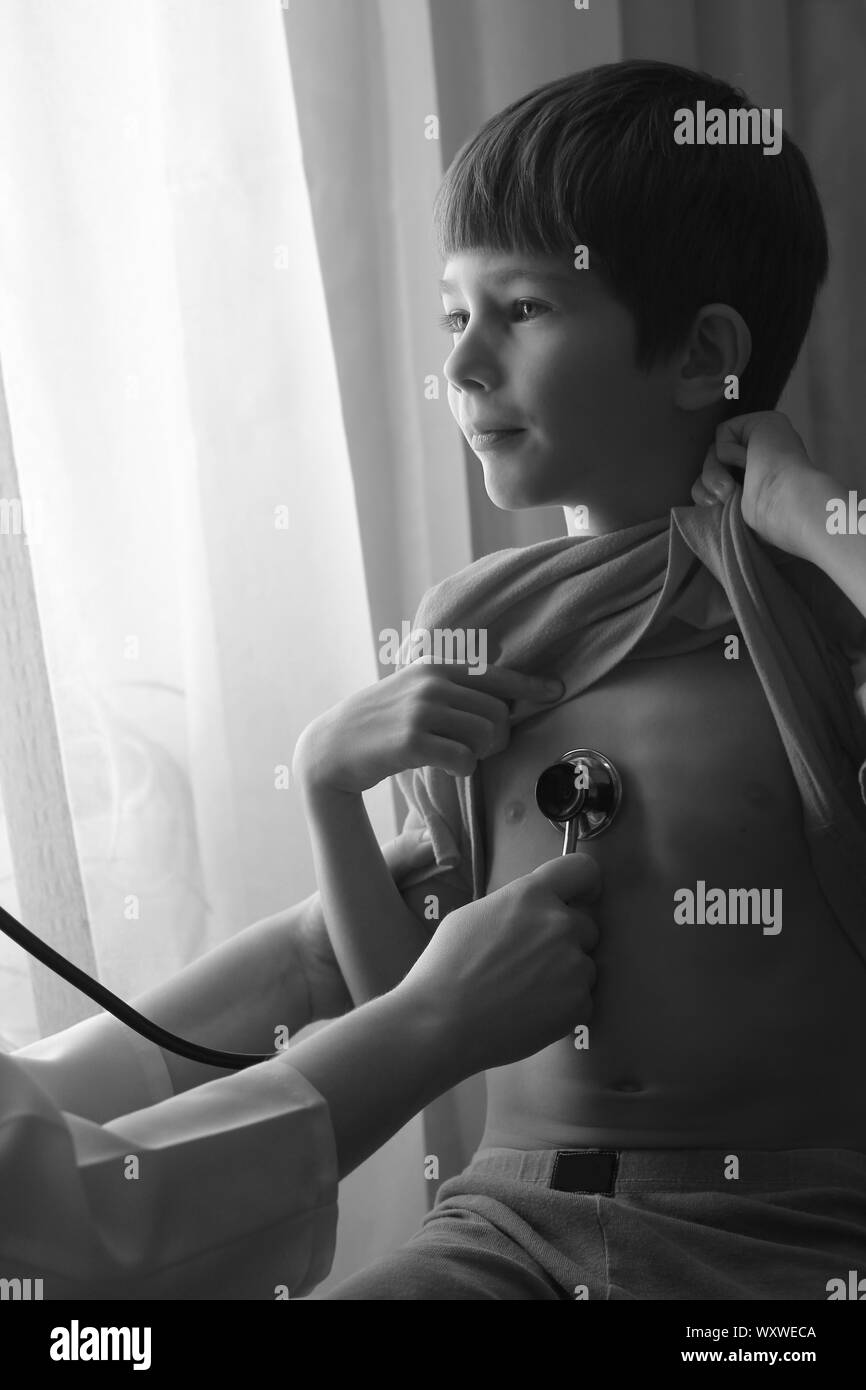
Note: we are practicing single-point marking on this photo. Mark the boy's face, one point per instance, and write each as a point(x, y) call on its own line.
point(544, 349)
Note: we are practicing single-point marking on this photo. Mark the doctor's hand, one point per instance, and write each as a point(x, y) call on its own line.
point(511, 973)
point(783, 492)
point(501, 979)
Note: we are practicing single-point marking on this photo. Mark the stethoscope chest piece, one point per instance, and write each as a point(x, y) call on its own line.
point(579, 795)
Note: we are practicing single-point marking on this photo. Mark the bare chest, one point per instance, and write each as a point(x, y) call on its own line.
point(690, 1021)
point(706, 785)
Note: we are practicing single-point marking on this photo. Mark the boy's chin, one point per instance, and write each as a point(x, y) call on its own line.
point(515, 496)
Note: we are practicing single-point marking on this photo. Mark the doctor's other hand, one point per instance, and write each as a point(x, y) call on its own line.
point(511, 973)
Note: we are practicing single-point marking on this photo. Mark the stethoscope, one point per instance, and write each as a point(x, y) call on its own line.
point(579, 795)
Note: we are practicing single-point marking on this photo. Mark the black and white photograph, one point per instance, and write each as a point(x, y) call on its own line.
point(433, 666)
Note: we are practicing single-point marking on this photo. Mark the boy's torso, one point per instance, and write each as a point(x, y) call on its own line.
point(702, 1035)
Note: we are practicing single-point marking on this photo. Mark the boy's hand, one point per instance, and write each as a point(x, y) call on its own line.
point(425, 715)
point(783, 492)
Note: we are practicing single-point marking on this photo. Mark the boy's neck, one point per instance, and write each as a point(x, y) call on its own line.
point(618, 497)
point(603, 521)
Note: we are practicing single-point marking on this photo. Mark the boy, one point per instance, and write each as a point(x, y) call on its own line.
point(704, 1136)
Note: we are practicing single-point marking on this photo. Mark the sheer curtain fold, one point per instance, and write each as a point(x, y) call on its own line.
point(366, 87)
point(174, 400)
point(45, 888)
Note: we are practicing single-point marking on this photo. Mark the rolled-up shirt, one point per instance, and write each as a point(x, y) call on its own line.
point(579, 606)
point(113, 1187)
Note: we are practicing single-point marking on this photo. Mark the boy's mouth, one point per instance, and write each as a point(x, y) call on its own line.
point(493, 439)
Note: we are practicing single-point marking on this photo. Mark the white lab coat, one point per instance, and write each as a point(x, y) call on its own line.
point(236, 1189)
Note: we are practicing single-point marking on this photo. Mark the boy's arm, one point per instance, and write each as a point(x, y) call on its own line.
point(424, 715)
point(409, 857)
point(376, 937)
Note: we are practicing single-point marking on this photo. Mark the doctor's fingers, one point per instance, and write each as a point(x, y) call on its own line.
point(583, 928)
point(714, 482)
point(558, 917)
point(567, 878)
point(575, 925)
point(571, 927)
point(715, 476)
point(702, 496)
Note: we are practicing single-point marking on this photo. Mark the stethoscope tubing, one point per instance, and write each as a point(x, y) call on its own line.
point(195, 1052)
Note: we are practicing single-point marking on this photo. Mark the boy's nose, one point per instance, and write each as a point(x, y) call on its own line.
point(471, 367)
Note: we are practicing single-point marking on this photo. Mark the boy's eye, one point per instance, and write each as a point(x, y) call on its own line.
point(524, 310)
point(449, 321)
point(527, 304)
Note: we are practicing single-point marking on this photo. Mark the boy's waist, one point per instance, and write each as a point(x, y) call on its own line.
point(616, 1172)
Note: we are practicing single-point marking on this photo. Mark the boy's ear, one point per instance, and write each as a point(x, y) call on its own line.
point(718, 347)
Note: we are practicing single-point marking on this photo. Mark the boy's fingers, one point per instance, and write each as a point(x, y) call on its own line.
point(504, 683)
point(571, 876)
point(513, 685)
point(452, 757)
point(476, 734)
point(479, 702)
point(406, 853)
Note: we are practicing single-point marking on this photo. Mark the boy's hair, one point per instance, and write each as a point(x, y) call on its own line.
point(591, 159)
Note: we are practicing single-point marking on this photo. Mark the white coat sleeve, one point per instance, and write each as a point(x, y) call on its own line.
point(98, 1069)
point(227, 1191)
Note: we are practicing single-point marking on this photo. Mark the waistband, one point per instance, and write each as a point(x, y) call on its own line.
point(618, 1171)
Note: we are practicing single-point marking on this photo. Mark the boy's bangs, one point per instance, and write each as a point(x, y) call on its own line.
point(497, 199)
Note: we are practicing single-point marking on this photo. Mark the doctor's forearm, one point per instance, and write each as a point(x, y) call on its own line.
point(841, 557)
point(236, 996)
point(279, 972)
point(379, 1066)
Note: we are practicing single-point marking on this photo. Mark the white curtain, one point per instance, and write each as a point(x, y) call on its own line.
point(175, 411)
